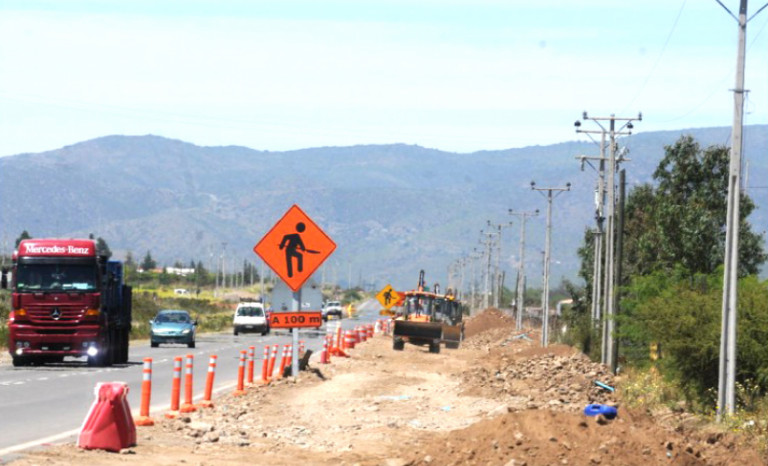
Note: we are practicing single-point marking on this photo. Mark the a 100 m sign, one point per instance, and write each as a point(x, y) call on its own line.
point(296, 319)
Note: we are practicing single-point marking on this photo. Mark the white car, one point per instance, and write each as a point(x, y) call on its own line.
point(250, 317)
point(332, 309)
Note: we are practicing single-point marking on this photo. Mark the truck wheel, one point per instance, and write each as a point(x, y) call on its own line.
point(398, 344)
point(154, 344)
point(100, 360)
point(126, 339)
point(236, 331)
point(191, 344)
point(20, 361)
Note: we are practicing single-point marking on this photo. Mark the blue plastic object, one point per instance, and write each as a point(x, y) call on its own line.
point(594, 409)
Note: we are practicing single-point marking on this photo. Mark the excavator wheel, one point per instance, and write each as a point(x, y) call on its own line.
point(398, 344)
point(434, 347)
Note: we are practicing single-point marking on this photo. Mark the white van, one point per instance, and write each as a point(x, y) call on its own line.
point(250, 317)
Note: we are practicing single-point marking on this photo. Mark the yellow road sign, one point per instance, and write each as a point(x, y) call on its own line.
point(387, 297)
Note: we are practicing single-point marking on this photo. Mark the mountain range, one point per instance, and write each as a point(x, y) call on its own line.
point(391, 209)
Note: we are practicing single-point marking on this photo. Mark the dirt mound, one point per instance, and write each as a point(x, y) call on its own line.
point(490, 318)
point(560, 380)
point(548, 437)
point(488, 329)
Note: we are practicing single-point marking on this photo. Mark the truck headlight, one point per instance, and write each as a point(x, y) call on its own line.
point(92, 351)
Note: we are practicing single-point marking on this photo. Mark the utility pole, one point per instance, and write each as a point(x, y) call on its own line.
point(597, 238)
point(497, 289)
point(727, 371)
point(475, 256)
point(487, 244)
point(607, 348)
point(261, 279)
point(547, 257)
point(520, 301)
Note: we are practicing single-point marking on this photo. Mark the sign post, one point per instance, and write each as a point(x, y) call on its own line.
point(294, 248)
point(296, 306)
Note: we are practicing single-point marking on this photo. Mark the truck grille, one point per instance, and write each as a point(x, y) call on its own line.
point(56, 315)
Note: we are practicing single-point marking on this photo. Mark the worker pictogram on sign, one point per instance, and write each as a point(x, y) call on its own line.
point(387, 297)
point(295, 247)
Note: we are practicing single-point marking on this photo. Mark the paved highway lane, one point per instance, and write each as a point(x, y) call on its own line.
point(49, 403)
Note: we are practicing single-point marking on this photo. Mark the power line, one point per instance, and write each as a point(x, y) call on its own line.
point(661, 54)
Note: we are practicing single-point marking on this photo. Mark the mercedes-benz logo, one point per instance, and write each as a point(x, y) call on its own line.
point(56, 313)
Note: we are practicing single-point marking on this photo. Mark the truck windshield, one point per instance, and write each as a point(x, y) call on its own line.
point(56, 277)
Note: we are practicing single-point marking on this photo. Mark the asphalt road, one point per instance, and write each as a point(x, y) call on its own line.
point(47, 404)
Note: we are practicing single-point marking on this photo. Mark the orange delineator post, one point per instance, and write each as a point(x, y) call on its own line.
point(175, 388)
point(146, 393)
point(271, 368)
point(251, 355)
point(369, 328)
point(265, 366)
point(241, 375)
point(336, 343)
point(287, 353)
point(207, 403)
point(324, 359)
point(188, 407)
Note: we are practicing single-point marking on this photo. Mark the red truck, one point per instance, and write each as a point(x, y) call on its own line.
point(67, 300)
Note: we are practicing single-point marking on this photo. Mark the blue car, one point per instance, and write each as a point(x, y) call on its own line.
point(172, 326)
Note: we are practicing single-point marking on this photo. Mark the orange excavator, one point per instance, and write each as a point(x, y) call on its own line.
point(429, 318)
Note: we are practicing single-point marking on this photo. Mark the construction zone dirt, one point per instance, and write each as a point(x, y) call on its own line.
point(500, 400)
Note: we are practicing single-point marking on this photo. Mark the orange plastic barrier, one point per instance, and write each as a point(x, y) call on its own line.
point(108, 424)
point(146, 394)
point(240, 375)
point(188, 407)
point(349, 340)
point(207, 403)
point(175, 389)
point(251, 355)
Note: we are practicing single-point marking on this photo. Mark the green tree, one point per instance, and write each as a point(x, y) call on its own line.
point(24, 235)
point(682, 220)
point(102, 248)
point(681, 313)
point(148, 263)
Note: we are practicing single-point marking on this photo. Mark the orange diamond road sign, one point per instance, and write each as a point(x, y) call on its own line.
point(387, 297)
point(295, 247)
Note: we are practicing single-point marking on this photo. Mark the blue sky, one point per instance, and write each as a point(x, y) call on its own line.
point(453, 75)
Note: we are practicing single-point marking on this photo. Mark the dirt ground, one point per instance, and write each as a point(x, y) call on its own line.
point(499, 399)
